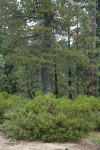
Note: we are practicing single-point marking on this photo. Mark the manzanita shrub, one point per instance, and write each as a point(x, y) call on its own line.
point(6, 102)
point(49, 119)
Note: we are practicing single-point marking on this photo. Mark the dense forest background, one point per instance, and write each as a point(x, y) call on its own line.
point(50, 46)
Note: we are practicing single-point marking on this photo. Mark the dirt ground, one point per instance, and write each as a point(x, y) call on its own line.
point(8, 144)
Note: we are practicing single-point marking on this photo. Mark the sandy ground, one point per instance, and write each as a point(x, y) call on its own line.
point(8, 144)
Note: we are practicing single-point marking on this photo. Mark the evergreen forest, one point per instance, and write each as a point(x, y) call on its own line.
point(49, 68)
point(50, 47)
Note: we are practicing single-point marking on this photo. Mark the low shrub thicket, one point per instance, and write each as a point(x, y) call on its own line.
point(49, 119)
point(6, 102)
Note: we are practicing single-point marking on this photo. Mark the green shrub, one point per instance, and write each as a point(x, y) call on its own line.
point(49, 119)
point(6, 101)
point(95, 139)
point(95, 117)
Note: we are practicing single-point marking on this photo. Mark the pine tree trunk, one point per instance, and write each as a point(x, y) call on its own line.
point(46, 80)
point(98, 86)
point(70, 84)
point(94, 22)
point(92, 80)
point(98, 44)
point(91, 88)
point(77, 46)
point(56, 92)
point(70, 96)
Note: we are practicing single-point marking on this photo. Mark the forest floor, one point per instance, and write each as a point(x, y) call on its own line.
point(92, 142)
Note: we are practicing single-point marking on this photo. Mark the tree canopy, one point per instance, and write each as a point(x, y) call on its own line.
point(50, 46)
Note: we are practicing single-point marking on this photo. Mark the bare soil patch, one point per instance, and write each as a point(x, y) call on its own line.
point(8, 144)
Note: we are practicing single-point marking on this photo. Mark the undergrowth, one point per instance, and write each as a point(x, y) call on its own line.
point(47, 118)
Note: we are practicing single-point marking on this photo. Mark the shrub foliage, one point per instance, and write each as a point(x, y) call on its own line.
point(49, 119)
